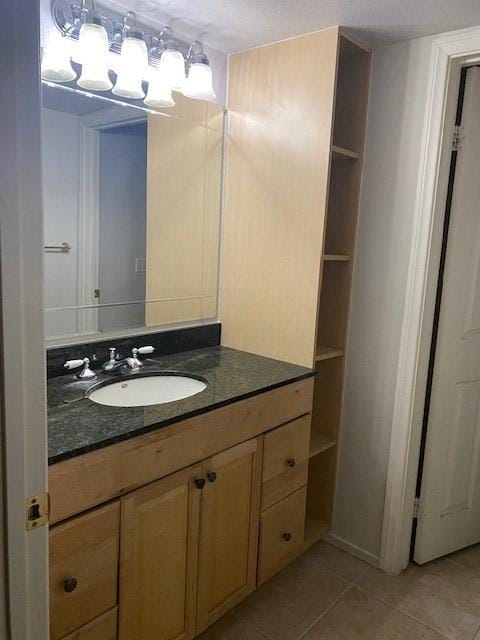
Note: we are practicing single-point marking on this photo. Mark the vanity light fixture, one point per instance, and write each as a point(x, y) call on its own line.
point(132, 66)
point(172, 62)
point(199, 84)
point(159, 94)
point(104, 43)
point(56, 65)
point(93, 56)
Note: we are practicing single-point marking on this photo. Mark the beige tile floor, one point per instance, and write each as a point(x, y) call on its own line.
point(328, 595)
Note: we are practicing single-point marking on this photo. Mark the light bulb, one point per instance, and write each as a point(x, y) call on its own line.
point(172, 67)
point(56, 65)
point(132, 67)
point(199, 83)
point(93, 55)
point(159, 94)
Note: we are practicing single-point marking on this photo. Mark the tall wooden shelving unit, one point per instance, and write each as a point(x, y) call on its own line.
point(295, 146)
point(349, 118)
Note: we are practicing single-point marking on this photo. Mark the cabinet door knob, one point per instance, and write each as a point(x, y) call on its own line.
point(287, 537)
point(70, 585)
point(212, 476)
point(199, 483)
point(291, 462)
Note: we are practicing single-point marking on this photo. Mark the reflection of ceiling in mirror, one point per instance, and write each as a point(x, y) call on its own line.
point(70, 102)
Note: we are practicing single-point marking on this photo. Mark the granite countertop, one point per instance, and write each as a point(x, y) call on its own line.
point(77, 425)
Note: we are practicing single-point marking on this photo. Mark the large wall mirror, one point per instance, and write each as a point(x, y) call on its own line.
point(132, 203)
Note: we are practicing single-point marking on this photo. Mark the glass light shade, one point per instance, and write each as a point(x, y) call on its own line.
point(131, 69)
point(172, 67)
point(56, 65)
point(93, 56)
point(159, 94)
point(199, 83)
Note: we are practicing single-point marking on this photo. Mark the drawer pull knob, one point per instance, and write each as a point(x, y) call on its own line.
point(200, 483)
point(212, 476)
point(287, 537)
point(291, 462)
point(70, 585)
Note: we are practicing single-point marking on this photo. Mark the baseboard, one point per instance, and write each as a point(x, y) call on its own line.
point(352, 549)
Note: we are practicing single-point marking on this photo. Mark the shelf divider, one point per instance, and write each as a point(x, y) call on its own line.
point(344, 154)
point(335, 257)
point(325, 353)
point(320, 443)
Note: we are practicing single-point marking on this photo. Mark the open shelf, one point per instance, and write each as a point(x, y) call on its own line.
point(327, 398)
point(341, 153)
point(333, 309)
point(315, 528)
point(325, 353)
point(351, 95)
point(320, 443)
point(335, 257)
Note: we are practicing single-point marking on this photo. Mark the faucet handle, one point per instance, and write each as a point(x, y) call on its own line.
point(140, 351)
point(144, 350)
point(73, 364)
point(86, 373)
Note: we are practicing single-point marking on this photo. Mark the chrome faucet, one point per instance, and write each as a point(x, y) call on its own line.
point(117, 366)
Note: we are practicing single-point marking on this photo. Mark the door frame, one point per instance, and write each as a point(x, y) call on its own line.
point(22, 352)
point(449, 53)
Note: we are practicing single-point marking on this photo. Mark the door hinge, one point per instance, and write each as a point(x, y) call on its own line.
point(458, 138)
point(417, 508)
point(37, 511)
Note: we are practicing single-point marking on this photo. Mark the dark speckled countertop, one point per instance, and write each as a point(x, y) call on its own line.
point(77, 425)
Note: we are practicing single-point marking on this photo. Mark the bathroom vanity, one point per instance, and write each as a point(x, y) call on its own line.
point(165, 517)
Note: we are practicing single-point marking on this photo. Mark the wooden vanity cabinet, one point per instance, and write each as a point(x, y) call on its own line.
point(164, 558)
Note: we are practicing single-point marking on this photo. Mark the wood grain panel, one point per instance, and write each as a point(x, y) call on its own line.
point(285, 460)
point(158, 569)
point(281, 534)
point(84, 549)
point(184, 167)
point(280, 123)
point(85, 481)
point(102, 628)
point(228, 531)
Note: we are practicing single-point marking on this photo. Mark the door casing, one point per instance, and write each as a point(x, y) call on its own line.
point(450, 53)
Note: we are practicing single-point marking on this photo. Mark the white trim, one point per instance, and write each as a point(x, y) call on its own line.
point(352, 549)
point(88, 228)
point(449, 53)
point(23, 384)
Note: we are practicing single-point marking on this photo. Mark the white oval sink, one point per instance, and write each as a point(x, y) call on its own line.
point(142, 392)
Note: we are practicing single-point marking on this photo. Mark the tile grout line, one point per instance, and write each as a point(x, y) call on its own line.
point(403, 612)
point(315, 622)
point(251, 623)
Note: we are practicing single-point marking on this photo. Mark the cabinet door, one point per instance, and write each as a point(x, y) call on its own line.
point(158, 559)
point(228, 530)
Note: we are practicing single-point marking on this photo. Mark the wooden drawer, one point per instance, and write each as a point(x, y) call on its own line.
point(285, 460)
point(102, 628)
point(281, 534)
point(83, 569)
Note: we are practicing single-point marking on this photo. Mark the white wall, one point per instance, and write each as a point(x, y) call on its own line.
point(395, 121)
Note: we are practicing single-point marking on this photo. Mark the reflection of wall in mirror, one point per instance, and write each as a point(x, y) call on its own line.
point(61, 139)
point(183, 212)
point(123, 164)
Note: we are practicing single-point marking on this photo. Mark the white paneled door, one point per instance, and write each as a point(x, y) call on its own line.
point(450, 493)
